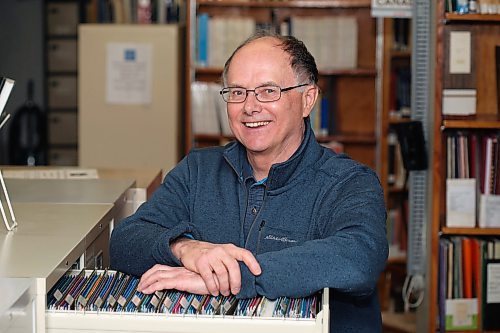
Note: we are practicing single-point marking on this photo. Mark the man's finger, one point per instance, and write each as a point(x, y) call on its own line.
point(222, 275)
point(208, 277)
point(248, 258)
point(233, 269)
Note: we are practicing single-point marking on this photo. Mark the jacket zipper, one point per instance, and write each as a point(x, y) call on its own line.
point(261, 226)
point(256, 217)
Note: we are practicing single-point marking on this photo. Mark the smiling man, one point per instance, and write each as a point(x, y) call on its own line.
point(273, 213)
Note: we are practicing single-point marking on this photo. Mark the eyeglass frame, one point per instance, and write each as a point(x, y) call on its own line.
point(222, 91)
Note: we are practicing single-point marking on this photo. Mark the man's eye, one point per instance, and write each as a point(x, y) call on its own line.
point(237, 92)
point(269, 90)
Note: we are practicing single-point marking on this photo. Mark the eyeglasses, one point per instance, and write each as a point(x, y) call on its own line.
point(264, 94)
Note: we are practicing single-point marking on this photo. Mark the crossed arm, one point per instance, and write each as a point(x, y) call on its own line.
point(207, 269)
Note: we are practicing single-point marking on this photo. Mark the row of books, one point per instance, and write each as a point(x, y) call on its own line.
point(474, 155)
point(397, 232)
point(113, 291)
point(332, 40)
point(208, 109)
point(132, 11)
point(469, 276)
point(396, 173)
point(473, 6)
point(400, 93)
point(402, 34)
point(218, 37)
point(473, 179)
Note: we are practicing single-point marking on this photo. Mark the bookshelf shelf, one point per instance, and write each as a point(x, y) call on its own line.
point(471, 231)
point(333, 72)
point(349, 138)
point(343, 138)
point(397, 190)
point(288, 4)
point(397, 260)
point(472, 17)
point(398, 120)
point(482, 121)
point(400, 54)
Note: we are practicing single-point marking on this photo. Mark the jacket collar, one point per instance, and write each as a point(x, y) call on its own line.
point(280, 174)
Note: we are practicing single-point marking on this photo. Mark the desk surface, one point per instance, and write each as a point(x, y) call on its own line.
point(87, 191)
point(146, 178)
point(47, 236)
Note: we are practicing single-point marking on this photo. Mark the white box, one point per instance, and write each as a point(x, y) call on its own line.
point(459, 102)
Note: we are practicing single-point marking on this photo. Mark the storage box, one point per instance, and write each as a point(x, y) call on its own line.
point(459, 102)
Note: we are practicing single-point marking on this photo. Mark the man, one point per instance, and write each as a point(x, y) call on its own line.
point(273, 213)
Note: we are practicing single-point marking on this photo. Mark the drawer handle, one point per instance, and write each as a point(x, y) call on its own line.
point(67, 263)
point(100, 225)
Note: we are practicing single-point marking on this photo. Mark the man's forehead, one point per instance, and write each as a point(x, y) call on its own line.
point(264, 56)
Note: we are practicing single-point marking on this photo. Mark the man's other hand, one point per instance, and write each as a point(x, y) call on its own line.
point(161, 277)
point(217, 264)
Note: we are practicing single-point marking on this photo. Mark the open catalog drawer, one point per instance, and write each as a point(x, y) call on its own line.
point(106, 301)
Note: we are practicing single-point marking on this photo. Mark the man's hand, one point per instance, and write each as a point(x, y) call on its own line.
point(216, 263)
point(161, 277)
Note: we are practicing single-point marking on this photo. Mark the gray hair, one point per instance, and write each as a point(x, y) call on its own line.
point(301, 60)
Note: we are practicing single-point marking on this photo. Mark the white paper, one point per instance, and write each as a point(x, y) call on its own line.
point(460, 52)
point(489, 212)
point(461, 202)
point(493, 286)
point(462, 311)
point(129, 73)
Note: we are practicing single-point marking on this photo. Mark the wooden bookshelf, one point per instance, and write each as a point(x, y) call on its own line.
point(396, 55)
point(486, 34)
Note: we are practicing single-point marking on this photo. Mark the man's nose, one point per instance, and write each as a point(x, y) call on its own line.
point(251, 103)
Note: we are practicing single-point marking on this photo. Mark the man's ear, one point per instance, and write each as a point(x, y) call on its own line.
point(309, 98)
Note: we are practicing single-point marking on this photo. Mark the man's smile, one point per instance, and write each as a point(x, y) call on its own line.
point(256, 124)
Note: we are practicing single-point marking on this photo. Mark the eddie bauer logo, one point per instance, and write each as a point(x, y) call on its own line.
point(280, 239)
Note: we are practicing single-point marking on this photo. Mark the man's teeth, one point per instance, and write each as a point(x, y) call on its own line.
point(257, 124)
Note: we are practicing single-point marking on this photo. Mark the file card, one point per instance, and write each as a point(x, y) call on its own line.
point(461, 202)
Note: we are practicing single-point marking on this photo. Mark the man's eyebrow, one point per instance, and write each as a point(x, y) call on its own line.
point(234, 85)
point(267, 83)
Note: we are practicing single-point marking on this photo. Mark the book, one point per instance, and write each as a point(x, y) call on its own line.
point(443, 275)
point(491, 300)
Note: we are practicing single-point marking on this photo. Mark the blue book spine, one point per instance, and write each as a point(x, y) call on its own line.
point(203, 39)
point(325, 110)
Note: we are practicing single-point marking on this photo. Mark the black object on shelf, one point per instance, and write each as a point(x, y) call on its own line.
point(28, 133)
point(412, 142)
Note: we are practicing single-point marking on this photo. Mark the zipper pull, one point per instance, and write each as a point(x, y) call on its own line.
point(262, 224)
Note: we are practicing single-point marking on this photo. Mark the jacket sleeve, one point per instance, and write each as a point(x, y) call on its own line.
point(348, 257)
point(143, 239)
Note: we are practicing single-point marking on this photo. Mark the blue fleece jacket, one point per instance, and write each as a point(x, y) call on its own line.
point(320, 223)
